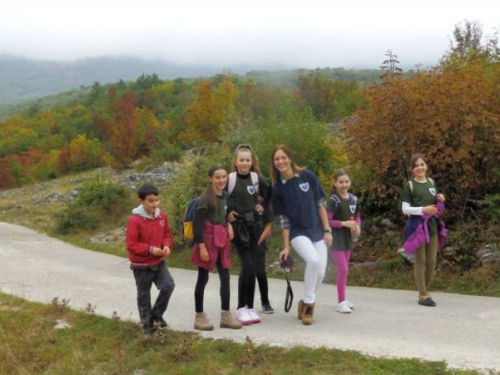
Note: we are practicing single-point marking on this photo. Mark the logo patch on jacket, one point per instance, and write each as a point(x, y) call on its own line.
point(304, 186)
point(162, 223)
point(432, 191)
point(251, 190)
point(352, 207)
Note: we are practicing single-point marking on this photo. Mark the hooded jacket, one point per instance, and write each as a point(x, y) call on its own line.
point(144, 232)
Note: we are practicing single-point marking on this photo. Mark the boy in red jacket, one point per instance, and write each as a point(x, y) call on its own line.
point(148, 243)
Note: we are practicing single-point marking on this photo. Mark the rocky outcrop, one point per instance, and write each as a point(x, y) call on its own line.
point(488, 255)
point(162, 175)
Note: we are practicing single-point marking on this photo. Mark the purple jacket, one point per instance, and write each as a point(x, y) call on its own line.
point(217, 242)
point(417, 231)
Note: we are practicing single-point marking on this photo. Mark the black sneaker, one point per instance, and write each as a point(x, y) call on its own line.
point(160, 323)
point(267, 309)
point(427, 302)
point(148, 329)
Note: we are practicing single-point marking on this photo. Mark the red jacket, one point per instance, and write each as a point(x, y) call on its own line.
point(143, 234)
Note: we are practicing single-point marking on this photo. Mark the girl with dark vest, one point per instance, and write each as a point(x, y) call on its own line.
point(248, 207)
point(212, 235)
point(345, 221)
point(425, 232)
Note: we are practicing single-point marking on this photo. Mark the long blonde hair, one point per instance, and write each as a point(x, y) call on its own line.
point(255, 159)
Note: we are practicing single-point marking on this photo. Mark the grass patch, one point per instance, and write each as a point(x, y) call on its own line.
point(92, 344)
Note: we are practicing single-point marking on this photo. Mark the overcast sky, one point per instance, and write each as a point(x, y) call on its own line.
point(309, 33)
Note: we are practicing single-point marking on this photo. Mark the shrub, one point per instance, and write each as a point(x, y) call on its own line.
point(95, 204)
point(76, 217)
point(106, 198)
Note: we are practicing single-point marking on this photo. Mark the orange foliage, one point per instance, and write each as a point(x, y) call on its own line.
point(450, 114)
point(8, 180)
point(209, 115)
point(81, 154)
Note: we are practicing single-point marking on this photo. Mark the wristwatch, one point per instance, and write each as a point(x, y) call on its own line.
point(329, 230)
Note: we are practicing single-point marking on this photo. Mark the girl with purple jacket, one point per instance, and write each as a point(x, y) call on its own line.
point(425, 232)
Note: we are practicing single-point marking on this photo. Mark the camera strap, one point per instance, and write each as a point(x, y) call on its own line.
point(289, 291)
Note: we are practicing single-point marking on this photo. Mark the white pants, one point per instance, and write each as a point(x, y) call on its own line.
point(315, 256)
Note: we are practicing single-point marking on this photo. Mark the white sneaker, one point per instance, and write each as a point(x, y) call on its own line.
point(343, 308)
point(253, 315)
point(350, 305)
point(243, 317)
point(409, 257)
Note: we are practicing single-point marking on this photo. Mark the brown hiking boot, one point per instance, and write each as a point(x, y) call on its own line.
point(227, 321)
point(300, 309)
point(307, 314)
point(201, 322)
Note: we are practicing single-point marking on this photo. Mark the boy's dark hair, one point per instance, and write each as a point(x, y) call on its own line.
point(147, 189)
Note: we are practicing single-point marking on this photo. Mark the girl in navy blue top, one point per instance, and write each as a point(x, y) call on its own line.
point(299, 202)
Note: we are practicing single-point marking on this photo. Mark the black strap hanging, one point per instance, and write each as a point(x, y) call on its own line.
point(287, 266)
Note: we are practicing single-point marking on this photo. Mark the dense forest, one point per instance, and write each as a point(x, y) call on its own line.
point(331, 117)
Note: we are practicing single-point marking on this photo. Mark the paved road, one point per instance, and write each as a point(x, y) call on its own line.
point(464, 331)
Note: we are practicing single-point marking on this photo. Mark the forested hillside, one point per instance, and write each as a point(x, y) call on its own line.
point(22, 78)
point(449, 112)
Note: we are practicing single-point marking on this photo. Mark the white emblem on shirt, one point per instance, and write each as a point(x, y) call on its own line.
point(304, 186)
point(352, 207)
point(432, 191)
point(251, 190)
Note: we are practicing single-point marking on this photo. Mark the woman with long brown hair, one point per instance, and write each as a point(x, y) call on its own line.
point(299, 202)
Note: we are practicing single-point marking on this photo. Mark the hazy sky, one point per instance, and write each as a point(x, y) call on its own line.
point(309, 33)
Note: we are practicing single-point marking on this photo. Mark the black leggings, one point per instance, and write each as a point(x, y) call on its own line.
point(252, 265)
point(202, 281)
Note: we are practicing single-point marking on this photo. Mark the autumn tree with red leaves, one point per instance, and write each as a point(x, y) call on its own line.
point(449, 113)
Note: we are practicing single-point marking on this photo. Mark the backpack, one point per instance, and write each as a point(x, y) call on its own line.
point(231, 183)
point(188, 219)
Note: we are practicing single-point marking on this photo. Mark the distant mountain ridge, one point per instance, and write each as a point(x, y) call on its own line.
point(22, 78)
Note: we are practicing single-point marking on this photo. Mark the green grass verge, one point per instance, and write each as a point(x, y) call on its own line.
point(30, 344)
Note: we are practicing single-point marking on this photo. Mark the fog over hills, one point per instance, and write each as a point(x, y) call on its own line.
point(22, 78)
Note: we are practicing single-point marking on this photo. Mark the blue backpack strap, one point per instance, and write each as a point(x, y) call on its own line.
point(353, 198)
point(190, 210)
point(335, 199)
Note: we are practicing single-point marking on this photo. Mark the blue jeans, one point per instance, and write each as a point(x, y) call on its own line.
point(144, 279)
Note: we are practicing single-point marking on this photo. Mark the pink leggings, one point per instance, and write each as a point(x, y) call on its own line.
point(341, 258)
